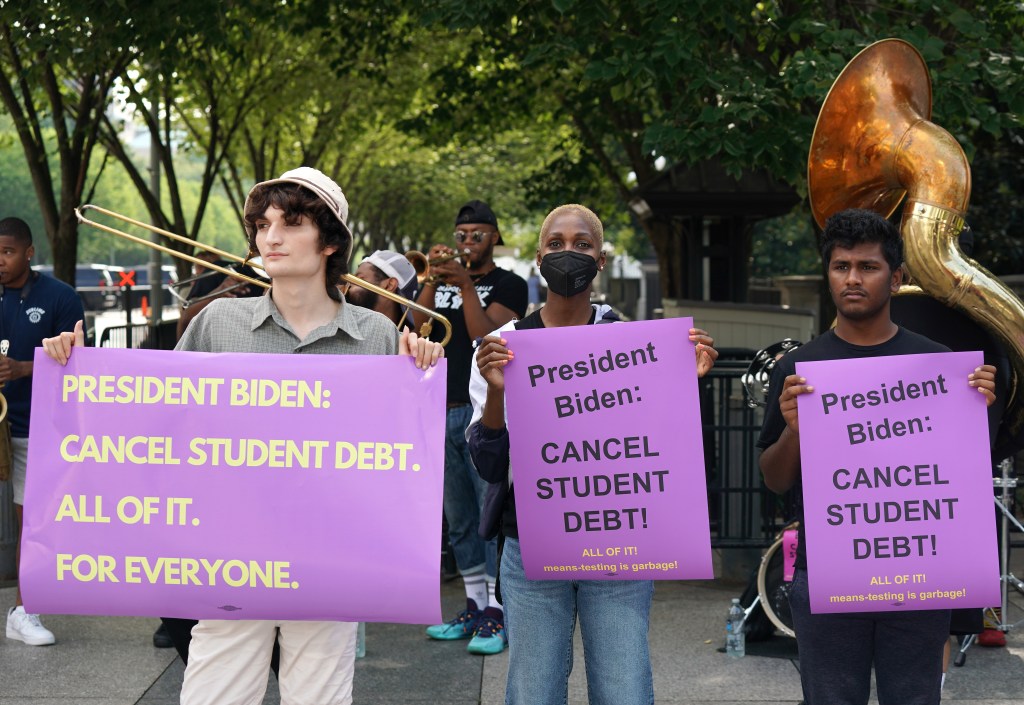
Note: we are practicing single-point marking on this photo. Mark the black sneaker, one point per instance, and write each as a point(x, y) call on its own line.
point(161, 639)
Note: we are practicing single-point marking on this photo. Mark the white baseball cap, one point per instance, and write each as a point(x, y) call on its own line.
point(394, 264)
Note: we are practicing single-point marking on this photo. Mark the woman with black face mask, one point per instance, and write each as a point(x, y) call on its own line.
point(542, 615)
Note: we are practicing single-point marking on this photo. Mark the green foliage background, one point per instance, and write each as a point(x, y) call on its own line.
point(417, 107)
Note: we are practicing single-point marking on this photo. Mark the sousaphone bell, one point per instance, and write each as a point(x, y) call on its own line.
point(874, 144)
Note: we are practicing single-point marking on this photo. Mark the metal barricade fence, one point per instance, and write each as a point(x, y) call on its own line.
point(142, 335)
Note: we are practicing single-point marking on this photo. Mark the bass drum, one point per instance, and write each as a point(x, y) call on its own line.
point(772, 587)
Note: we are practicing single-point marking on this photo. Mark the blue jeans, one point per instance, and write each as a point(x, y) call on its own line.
point(540, 617)
point(464, 492)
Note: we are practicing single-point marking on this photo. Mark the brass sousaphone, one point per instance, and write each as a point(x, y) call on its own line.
point(874, 144)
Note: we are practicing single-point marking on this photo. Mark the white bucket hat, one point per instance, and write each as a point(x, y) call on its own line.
point(320, 184)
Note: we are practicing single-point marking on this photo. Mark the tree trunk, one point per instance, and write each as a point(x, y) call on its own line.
point(64, 242)
point(666, 248)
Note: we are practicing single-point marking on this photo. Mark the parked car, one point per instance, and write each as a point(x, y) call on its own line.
point(96, 284)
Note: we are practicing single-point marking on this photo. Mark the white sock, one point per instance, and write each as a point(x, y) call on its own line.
point(492, 602)
point(942, 683)
point(476, 588)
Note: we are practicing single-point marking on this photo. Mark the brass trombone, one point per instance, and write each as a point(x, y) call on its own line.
point(178, 286)
point(351, 279)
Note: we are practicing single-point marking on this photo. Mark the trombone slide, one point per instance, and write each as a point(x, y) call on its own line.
point(351, 279)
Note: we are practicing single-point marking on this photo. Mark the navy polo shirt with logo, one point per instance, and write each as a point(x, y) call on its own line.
point(43, 308)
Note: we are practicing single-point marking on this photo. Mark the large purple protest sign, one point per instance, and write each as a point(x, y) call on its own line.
point(897, 483)
point(607, 457)
point(234, 486)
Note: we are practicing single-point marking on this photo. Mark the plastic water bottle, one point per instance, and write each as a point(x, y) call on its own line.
point(735, 637)
point(361, 640)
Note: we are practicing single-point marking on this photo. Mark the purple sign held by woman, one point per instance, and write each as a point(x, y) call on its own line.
point(607, 454)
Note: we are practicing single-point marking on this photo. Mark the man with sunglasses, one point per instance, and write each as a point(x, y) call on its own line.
point(477, 297)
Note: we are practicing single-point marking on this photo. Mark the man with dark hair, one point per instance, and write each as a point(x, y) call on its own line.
point(388, 270)
point(32, 307)
point(297, 224)
point(856, 226)
point(477, 297)
point(862, 253)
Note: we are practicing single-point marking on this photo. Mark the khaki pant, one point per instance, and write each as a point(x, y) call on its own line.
point(229, 662)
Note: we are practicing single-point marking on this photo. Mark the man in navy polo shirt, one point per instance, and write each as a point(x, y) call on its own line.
point(32, 307)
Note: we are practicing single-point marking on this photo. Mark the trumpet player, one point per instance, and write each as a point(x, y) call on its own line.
point(477, 297)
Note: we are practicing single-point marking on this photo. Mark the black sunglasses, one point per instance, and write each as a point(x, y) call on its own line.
point(477, 236)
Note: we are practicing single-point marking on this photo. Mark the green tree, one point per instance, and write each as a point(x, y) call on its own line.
point(19, 197)
point(191, 93)
point(58, 62)
point(996, 213)
point(403, 189)
point(737, 81)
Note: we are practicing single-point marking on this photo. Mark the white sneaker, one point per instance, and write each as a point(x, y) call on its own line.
point(27, 628)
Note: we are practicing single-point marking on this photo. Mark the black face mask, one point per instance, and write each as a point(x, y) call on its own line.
point(568, 273)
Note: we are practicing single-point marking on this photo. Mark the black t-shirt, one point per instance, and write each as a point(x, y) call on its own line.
point(498, 286)
point(933, 319)
point(829, 346)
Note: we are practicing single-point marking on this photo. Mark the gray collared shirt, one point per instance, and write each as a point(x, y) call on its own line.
point(254, 325)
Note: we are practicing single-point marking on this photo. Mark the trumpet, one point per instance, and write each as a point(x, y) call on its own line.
point(425, 329)
point(422, 264)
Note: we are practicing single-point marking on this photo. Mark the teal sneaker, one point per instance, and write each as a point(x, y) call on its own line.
point(490, 636)
point(462, 627)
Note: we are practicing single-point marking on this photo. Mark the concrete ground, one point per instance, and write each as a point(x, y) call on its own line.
point(111, 661)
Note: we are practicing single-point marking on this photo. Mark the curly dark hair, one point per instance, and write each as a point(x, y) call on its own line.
point(296, 202)
point(855, 226)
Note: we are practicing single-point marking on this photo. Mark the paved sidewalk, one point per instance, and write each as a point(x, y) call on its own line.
point(111, 661)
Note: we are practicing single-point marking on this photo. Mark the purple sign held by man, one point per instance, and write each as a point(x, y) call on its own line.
point(607, 454)
point(233, 486)
point(897, 484)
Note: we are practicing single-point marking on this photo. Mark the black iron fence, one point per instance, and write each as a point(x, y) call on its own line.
point(743, 512)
